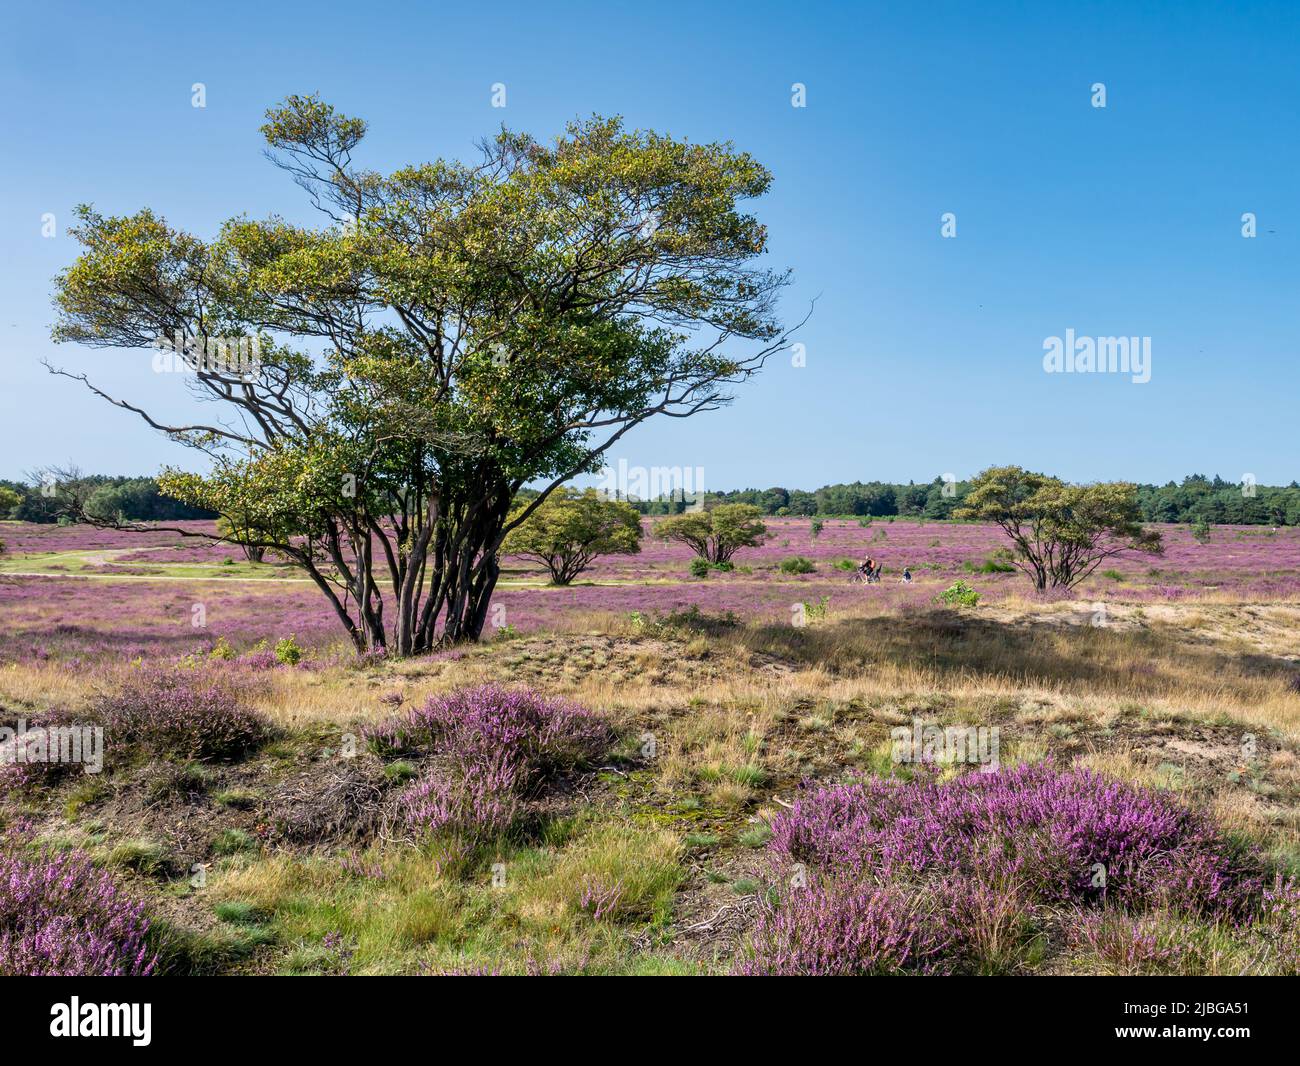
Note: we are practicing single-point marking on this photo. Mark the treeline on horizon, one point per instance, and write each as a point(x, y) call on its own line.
point(1195, 499)
point(134, 499)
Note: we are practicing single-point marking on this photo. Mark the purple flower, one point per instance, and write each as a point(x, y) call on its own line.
point(61, 916)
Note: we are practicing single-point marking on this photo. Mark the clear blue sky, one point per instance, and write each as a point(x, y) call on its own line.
point(924, 354)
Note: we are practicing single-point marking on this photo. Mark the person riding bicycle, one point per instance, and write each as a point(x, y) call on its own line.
point(866, 568)
point(907, 575)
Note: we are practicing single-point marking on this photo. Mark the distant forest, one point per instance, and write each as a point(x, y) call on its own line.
point(134, 499)
point(1195, 499)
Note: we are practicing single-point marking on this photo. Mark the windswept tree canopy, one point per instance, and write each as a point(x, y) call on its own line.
point(716, 534)
point(1061, 533)
point(450, 333)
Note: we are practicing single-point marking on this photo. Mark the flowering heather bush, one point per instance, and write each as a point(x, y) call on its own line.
point(925, 875)
point(1041, 827)
point(16, 774)
point(472, 723)
point(492, 746)
point(1279, 927)
point(835, 928)
point(479, 798)
point(194, 712)
point(60, 916)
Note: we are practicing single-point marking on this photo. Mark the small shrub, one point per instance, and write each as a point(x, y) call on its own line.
point(798, 565)
point(1128, 944)
point(61, 916)
point(959, 594)
point(26, 760)
point(700, 567)
point(222, 650)
point(192, 713)
point(287, 652)
point(816, 612)
point(492, 747)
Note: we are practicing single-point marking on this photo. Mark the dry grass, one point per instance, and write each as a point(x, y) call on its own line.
point(656, 861)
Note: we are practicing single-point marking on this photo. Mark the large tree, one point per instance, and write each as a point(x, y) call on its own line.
point(1060, 533)
point(450, 333)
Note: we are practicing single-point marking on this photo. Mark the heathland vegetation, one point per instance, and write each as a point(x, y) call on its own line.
point(378, 690)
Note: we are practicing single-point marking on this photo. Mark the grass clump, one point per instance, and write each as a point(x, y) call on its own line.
point(146, 857)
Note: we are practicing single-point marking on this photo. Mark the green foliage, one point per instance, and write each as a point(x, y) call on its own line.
point(568, 530)
point(798, 565)
point(1060, 533)
point(454, 333)
point(700, 567)
point(222, 650)
point(717, 534)
point(287, 651)
point(816, 612)
point(959, 594)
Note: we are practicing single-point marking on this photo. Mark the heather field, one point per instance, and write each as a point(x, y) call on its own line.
point(652, 773)
point(60, 597)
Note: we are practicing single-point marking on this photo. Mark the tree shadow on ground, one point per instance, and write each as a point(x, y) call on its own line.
point(1028, 652)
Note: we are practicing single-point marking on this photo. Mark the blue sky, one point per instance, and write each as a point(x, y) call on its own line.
point(924, 354)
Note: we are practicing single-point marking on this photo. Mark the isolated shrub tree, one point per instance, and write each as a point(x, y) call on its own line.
point(450, 334)
point(253, 540)
point(716, 535)
point(1060, 533)
point(570, 529)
